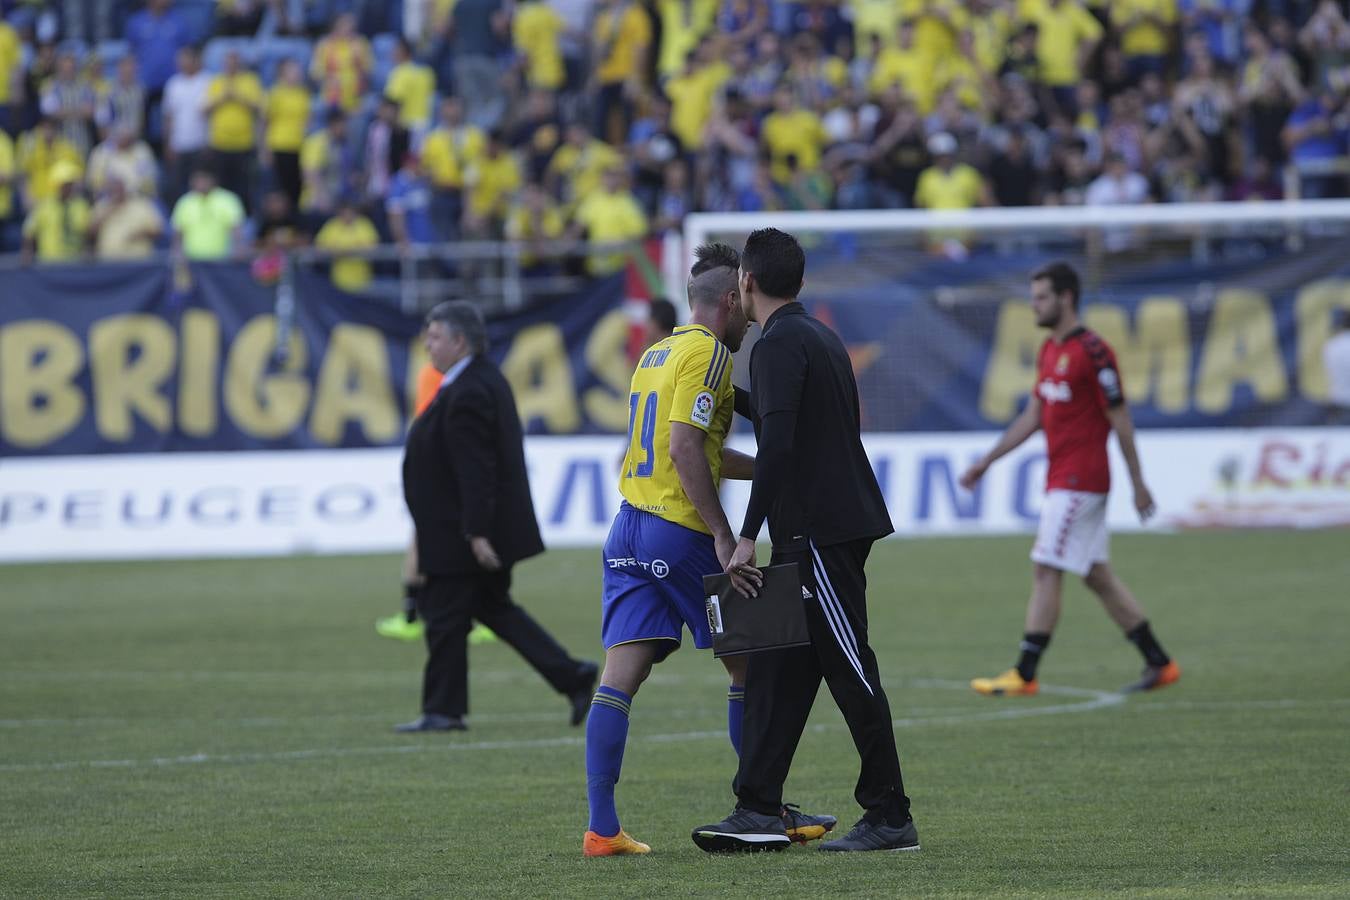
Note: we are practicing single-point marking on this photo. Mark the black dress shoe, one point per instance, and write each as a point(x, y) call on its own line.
point(432, 722)
point(581, 697)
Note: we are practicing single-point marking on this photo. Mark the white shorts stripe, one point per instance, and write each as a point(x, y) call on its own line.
point(834, 615)
point(1072, 535)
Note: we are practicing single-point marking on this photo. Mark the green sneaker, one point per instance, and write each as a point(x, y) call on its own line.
point(482, 634)
point(399, 628)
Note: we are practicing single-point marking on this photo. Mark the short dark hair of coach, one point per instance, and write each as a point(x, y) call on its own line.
point(466, 486)
point(463, 319)
point(775, 262)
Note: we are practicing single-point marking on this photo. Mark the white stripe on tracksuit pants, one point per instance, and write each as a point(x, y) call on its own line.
point(781, 685)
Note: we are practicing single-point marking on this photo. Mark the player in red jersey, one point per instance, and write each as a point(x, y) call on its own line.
point(1078, 400)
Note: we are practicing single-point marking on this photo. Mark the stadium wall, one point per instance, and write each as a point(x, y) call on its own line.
point(131, 506)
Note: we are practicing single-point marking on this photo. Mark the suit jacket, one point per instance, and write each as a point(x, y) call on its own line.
point(464, 474)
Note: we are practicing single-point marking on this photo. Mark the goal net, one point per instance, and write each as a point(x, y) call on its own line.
point(1218, 312)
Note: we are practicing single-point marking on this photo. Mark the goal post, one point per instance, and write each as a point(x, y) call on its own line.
point(1217, 310)
point(1218, 313)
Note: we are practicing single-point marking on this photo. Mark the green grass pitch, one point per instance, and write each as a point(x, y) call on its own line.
point(222, 729)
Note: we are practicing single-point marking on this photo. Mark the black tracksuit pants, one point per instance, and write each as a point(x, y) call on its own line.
point(781, 686)
point(448, 605)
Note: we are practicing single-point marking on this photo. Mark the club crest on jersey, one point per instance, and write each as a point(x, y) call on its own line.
point(1062, 364)
point(703, 409)
point(1054, 391)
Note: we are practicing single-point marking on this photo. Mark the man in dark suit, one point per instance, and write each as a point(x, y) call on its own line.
point(466, 487)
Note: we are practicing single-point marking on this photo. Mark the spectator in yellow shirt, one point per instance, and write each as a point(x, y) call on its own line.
point(288, 106)
point(936, 25)
point(125, 225)
point(326, 170)
point(208, 220)
point(348, 230)
point(536, 30)
point(620, 41)
point(963, 73)
point(11, 79)
point(412, 86)
point(57, 228)
point(609, 215)
point(1145, 28)
point(534, 219)
point(948, 184)
point(123, 157)
point(901, 65)
point(874, 18)
point(452, 148)
point(791, 130)
point(684, 23)
point(37, 154)
point(491, 181)
point(692, 94)
point(991, 27)
point(341, 65)
point(1066, 34)
point(574, 171)
point(234, 103)
point(8, 176)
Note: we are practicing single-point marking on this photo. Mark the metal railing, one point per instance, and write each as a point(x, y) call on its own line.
point(500, 275)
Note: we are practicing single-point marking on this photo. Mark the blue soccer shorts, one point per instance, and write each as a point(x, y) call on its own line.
point(653, 581)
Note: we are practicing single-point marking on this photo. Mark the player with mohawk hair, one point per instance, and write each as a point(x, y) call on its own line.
point(670, 531)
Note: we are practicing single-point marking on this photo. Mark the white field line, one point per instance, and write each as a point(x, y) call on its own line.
point(1092, 700)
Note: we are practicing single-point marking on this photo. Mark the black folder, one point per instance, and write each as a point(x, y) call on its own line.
point(773, 620)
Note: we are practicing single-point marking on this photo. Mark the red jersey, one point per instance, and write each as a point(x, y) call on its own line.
point(1077, 381)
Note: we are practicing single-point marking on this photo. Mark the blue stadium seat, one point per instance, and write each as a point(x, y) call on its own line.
point(111, 53)
point(199, 15)
point(271, 52)
point(213, 57)
point(382, 48)
point(75, 46)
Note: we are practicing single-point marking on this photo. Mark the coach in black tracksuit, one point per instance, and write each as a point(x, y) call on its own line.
point(466, 487)
point(814, 484)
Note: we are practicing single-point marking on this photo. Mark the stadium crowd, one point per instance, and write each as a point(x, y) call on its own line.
point(230, 125)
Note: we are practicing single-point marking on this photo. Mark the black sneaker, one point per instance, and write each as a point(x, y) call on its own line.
point(802, 827)
point(876, 835)
point(432, 722)
point(580, 699)
point(744, 831)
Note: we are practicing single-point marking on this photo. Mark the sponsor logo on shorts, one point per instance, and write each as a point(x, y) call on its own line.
point(657, 567)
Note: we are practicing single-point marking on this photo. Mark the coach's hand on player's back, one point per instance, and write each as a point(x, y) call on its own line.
point(484, 552)
point(738, 562)
point(971, 477)
point(1143, 501)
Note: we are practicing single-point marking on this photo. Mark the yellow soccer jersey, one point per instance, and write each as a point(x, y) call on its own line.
point(684, 378)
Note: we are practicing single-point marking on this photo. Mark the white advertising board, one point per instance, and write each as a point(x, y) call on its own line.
point(347, 501)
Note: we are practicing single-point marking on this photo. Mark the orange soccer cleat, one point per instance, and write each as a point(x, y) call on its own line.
point(1155, 677)
point(619, 845)
point(1009, 684)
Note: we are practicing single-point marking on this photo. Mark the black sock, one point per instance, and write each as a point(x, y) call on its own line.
point(410, 603)
point(1142, 637)
point(1033, 645)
